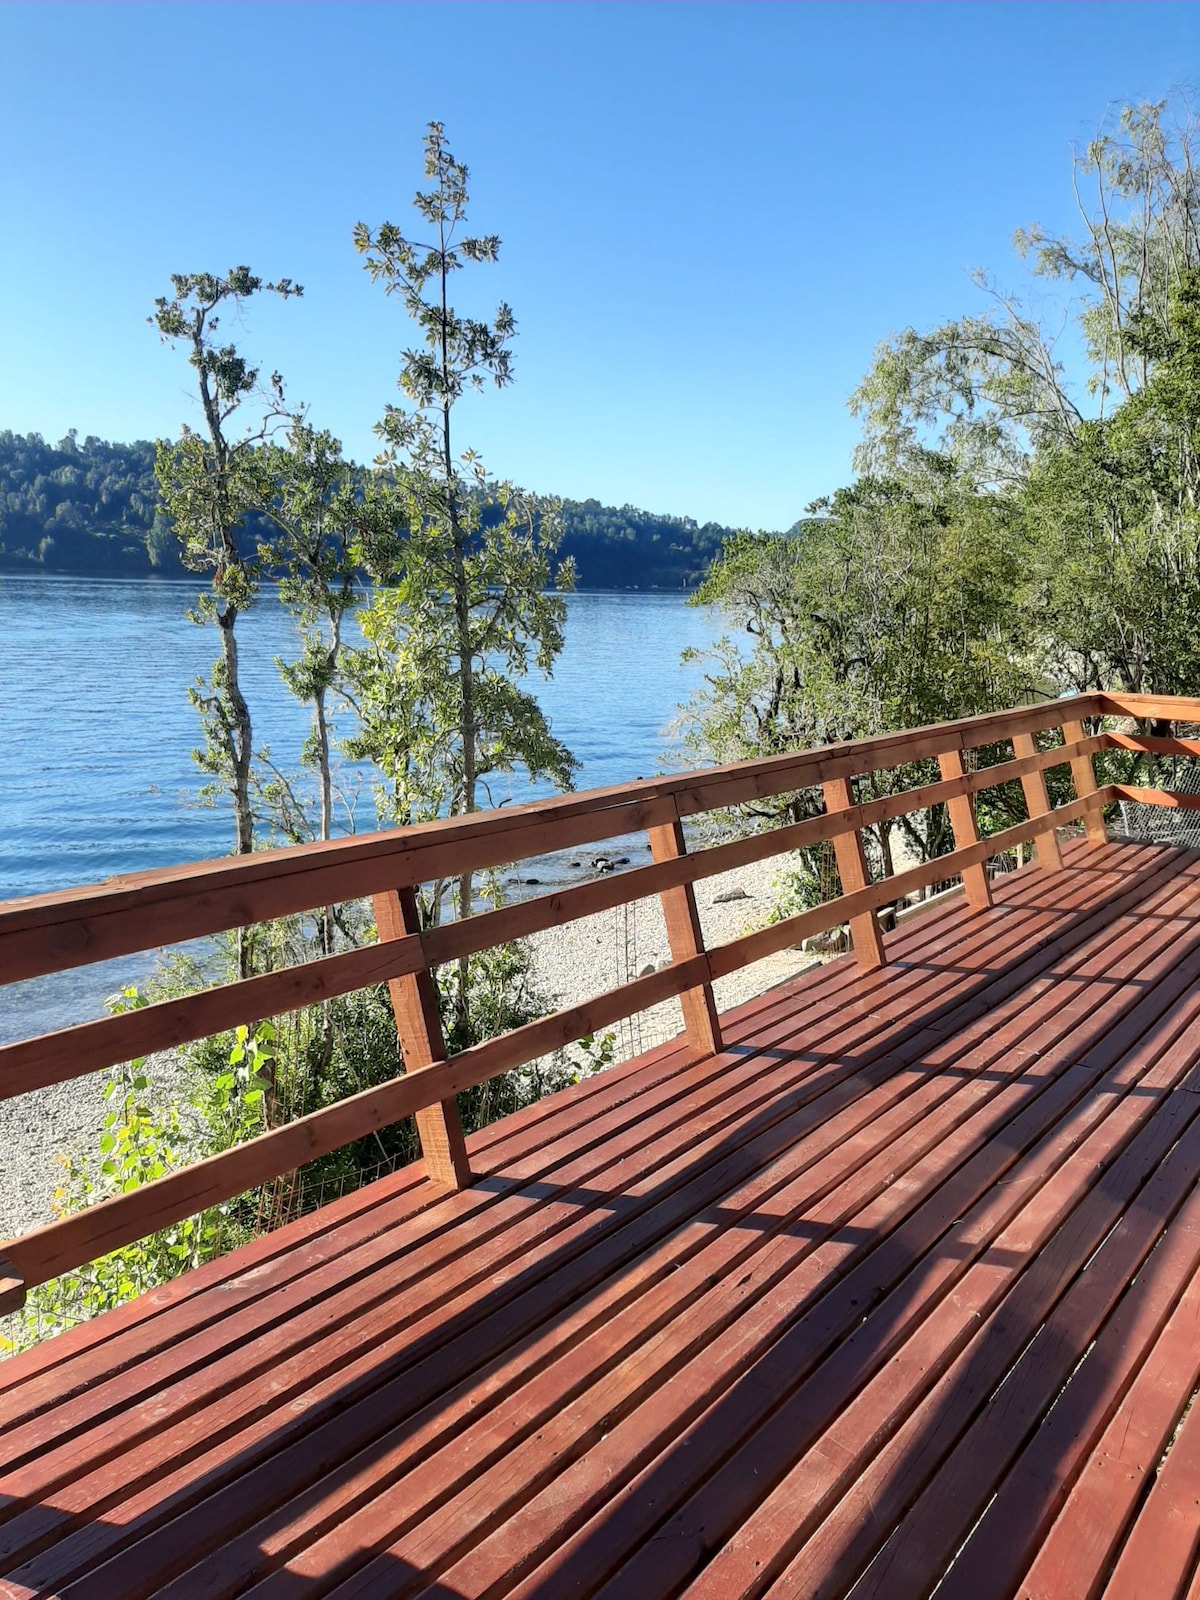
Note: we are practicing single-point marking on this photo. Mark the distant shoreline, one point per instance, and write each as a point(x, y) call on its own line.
point(191, 580)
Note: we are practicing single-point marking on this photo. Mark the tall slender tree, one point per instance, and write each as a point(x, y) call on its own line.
point(466, 609)
point(210, 481)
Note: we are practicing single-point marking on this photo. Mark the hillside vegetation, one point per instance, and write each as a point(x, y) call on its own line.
point(91, 507)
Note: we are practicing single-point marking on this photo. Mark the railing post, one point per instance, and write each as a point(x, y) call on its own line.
point(1083, 772)
point(414, 1003)
point(852, 870)
point(685, 936)
point(1038, 803)
point(976, 886)
point(12, 1288)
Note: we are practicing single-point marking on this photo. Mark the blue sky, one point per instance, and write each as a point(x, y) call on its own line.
point(710, 213)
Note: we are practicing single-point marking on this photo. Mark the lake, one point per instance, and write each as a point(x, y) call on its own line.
point(96, 775)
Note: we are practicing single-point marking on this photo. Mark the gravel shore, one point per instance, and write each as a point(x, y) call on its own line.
point(598, 953)
point(38, 1130)
point(570, 964)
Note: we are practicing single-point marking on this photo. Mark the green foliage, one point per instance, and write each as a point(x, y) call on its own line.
point(891, 606)
point(110, 521)
point(622, 547)
point(1107, 481)
point(1115, 513)
point(324, 517)
point(138, 1142)
point(466, 604)
point(209, 483)
point(81, 507)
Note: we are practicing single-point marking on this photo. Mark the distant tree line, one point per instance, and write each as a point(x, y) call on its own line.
point(87, 506)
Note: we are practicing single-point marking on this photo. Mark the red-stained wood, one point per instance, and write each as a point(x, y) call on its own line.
point(1038, 805)
point(1083, 775)
point(1162, 1547)
point(966, 833)
point(953, 1497)
point(788, 1422)
point(86, 1047)
point(53, 932)
point(1171, 799)
point(1115, 1468)
point(685, 937)
point(537, 1126)
point(419, 1027)
point(349, 1535)
point(61, 1245)
point(714, 1327)
point(1155, 707)
point(885, 1281)
point(1151, 744)
point(855, 875)
point(72, 1052)
point(1013, 1530)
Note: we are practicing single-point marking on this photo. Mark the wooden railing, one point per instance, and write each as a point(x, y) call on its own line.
point(51, 933)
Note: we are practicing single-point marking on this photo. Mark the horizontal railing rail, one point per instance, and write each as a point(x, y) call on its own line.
point(56, 932)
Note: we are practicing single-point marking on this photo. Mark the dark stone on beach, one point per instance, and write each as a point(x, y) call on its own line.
point(731, 894)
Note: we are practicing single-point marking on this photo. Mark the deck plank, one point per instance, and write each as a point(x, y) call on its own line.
point(1163, 1545)
point(781, 1321)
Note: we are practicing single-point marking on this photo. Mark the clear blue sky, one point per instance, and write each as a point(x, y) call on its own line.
point(711, 213)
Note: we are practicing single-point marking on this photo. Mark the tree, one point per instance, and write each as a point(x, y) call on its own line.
point(891, 606)
point(990, 390)
point(321, 519)
point(466, 608)
point(1117, 522)
point(209, 482)
point(1107, 478)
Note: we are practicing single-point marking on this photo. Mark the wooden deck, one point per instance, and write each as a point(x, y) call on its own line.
point(900, 1290)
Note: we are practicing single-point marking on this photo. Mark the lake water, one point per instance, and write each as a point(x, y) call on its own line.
point(96, 775)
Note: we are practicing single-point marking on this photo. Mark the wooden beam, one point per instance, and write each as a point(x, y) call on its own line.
point(1151, 744)
point(976, 886)
point(50, 933)
point(1083, 775)
point(419, 1027)
point(85, 1235)
point(686, 939)
point(88, 1047)
point(1038, 803)
point(726, 958)
point(852, 869)
point(59, 1246)
point(1172, 799)
point(1156, 707)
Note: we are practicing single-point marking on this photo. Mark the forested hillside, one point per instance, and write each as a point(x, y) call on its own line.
point(87, 506)
point(79, 506)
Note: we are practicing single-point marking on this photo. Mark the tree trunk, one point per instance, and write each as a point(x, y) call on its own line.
point(241, 747)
